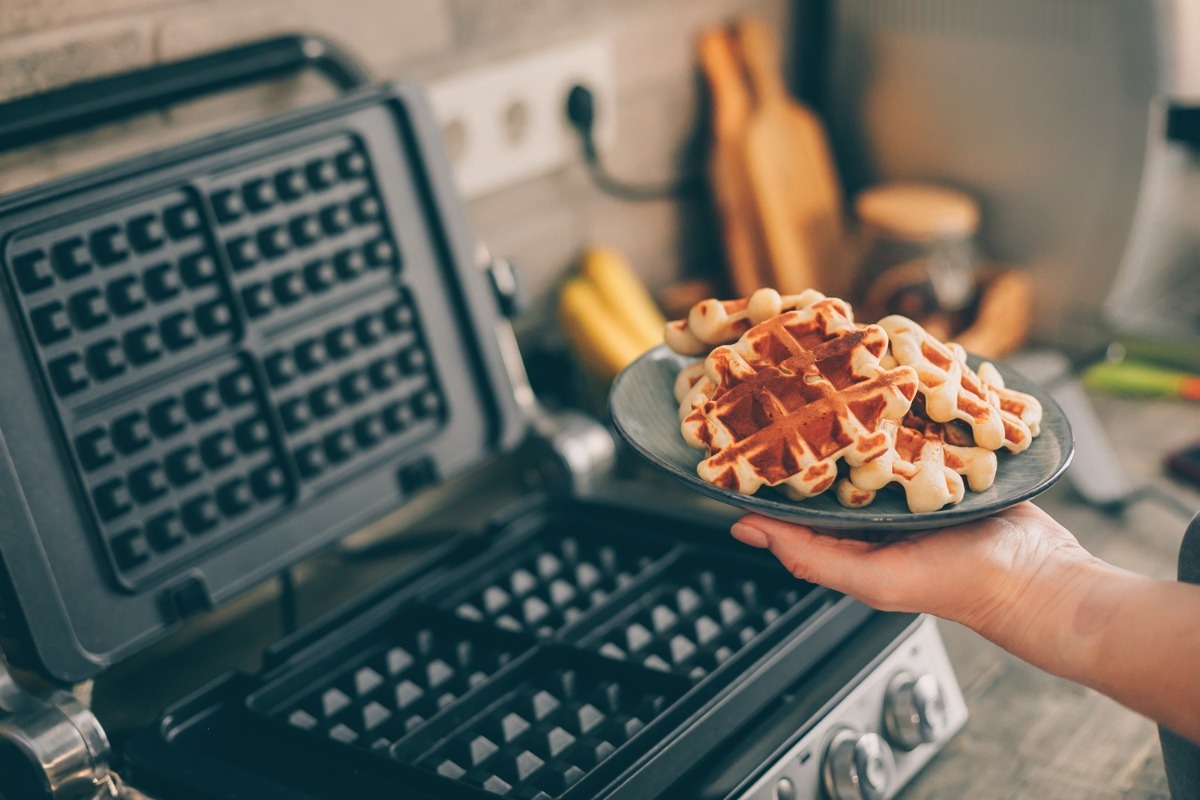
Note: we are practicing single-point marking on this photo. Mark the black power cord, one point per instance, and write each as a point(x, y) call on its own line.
point(581, 113)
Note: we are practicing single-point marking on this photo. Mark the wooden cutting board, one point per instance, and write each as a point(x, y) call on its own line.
point(731, 108)
point(793, 182)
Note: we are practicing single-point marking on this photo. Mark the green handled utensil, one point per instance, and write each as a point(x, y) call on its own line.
point(1141, 378)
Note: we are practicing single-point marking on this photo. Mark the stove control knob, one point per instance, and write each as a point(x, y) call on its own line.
point(914, 710)
point(858, 766)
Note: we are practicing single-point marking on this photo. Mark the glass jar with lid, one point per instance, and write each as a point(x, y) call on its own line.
point(917, 254)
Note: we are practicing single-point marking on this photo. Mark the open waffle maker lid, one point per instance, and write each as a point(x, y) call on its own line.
point(221, 356)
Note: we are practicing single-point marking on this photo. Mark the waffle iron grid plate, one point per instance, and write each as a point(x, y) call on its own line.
point(224, 355)
point(598, 652)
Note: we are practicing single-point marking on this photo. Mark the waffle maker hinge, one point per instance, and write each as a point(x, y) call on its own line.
point(64, 744)
point(567, 447)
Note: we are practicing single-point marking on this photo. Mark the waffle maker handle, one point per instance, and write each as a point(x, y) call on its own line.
point(74, 108)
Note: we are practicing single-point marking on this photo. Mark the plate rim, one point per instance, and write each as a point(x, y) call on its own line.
point(848, 518)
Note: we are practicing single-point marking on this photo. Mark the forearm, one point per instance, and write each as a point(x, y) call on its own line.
point(1023, 581)
point(1132, 638)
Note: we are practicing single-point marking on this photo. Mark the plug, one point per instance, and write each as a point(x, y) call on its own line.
point(581, 114)
point(581, 109)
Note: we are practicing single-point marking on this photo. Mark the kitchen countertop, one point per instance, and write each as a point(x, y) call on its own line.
point(1030, 735)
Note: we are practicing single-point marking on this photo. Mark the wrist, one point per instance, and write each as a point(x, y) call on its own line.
point(1055, 615)
point(1070, 617)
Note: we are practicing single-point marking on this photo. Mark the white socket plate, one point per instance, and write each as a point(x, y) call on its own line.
point(505, 122)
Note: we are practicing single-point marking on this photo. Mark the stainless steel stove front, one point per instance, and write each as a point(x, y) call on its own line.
point(872, 742)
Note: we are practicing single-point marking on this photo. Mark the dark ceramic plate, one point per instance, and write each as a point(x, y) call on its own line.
point(643, 407)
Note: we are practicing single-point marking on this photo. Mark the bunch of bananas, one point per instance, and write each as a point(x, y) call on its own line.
point(607, 315)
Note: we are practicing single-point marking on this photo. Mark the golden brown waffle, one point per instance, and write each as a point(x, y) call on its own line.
point(716, 322)
point(692, 387)
point(925, 462)
point(1019, 410)
point(795, 395)
point(953, 391)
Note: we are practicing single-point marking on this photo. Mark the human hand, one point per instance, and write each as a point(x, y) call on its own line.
point(1023, 581)
point(973, 573)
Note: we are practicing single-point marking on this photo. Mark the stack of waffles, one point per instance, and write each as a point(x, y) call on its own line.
point(793, 393)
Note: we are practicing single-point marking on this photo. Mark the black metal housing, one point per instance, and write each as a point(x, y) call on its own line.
point(222, 356)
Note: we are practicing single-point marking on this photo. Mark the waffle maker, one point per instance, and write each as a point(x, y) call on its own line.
point(225, 355)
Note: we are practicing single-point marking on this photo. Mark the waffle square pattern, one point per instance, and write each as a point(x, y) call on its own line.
point(795, 395)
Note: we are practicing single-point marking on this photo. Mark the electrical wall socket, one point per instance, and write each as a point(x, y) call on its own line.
point(505, 122)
